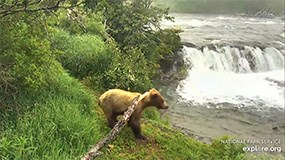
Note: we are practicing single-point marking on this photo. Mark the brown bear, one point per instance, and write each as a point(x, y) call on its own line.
point(115, 102)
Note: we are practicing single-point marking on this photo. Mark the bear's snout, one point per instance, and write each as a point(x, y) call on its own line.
point(165, 106)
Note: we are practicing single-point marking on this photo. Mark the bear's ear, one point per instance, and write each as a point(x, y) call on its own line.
point(153, 90)
point(153, 93)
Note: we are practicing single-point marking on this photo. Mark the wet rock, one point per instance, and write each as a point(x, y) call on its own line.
point(275, 128)
point(279, 83)
point(188, 44)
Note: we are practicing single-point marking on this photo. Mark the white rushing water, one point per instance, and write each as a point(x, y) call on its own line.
point(235, 82)
point(247, 76)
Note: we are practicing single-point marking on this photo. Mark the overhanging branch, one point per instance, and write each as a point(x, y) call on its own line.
point(28, 6)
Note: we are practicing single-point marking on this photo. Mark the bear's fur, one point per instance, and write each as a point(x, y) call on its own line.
point(115, 102)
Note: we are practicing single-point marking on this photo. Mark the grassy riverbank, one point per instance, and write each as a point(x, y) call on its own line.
point(64, 123)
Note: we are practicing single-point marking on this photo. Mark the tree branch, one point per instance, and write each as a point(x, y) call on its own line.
point(17, 7)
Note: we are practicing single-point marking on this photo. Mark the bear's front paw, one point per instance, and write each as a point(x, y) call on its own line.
point(141, 137)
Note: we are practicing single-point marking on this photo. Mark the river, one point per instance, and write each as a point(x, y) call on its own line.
point(235, 80)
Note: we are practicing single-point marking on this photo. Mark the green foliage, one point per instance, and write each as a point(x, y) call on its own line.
point(25, 54)
point(102, 67)
point(166, 50)
point(7, 87)
point(227, 150)
point(137, 27)
point(170, 41)
point(129, 72)
point(61, 125)
point(81, 22)
point(82, 55)
point(101, 64)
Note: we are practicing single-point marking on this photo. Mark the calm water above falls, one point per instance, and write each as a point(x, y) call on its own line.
point(240, 31)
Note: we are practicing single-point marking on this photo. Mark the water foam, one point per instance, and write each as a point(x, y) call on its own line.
point(230, 75)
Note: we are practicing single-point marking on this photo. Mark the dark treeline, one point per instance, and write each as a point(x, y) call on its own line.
point(225, 6)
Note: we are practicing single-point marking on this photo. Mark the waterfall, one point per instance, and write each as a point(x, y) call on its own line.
point(239, 75)
point(231, 59)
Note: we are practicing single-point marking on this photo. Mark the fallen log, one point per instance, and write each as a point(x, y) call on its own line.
point(94, 151)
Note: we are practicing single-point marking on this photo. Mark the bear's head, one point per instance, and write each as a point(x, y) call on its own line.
point(156, 100)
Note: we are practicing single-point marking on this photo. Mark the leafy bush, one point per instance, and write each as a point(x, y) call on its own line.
point(130, 72)
point(28, 63)
point(102, 67)
point(82, 55)
point(81, 22)
point(167, 49)
point(138, 26)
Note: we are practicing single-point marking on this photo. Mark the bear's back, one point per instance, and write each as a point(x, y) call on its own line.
point(117, 100)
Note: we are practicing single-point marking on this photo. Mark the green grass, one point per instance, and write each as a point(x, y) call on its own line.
point(63, 122)
point(60, 125)
point(164, 143)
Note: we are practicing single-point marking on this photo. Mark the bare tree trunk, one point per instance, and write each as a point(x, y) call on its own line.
point(94, 151)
